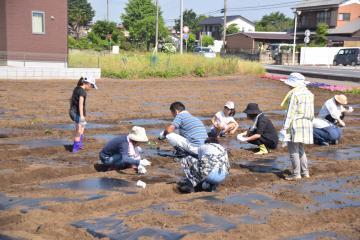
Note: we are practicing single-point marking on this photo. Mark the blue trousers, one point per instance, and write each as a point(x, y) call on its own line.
point(328, 135)
point(117, 161)
point(216, 176)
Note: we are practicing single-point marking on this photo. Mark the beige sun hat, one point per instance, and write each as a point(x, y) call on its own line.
point(342, 99)
point(138, 134)
point(230, 105)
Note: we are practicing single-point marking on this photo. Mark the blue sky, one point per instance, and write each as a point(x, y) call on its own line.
point(171, 8)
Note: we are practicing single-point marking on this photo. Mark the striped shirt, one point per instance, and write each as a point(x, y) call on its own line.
point(300, 115)
point(190, 128)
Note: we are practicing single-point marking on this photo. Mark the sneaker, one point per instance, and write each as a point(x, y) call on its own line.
point(306, 175)
point(324, 144)
point(292, 178)
point(185, 186)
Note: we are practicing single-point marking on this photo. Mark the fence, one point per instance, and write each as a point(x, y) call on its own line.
point(32, 59)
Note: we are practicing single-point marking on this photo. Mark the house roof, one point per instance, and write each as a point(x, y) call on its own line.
point(220, 20)
point(266, 35)
point(348, 28)
point(318, 3)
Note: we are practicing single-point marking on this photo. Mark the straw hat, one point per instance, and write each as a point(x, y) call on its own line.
point(230, 105)
point(138, 134)
point(342, 99)
point(295, 80)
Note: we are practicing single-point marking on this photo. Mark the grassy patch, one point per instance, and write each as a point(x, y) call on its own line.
point(143, 65)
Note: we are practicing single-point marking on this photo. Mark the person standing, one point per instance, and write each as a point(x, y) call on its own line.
point(192, 132)
point(77, 110)
point(298, 125)
point(262, 133)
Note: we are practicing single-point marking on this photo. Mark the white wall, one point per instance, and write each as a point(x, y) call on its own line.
point(242, 24)
point(52, 64)
point(318, 55)
point(47, 73)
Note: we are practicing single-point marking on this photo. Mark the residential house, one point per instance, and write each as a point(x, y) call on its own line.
point(252, 42)
point(33, 33)
point(342, 17)
point(212, 26)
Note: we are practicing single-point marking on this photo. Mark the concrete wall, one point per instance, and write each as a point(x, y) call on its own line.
point(46, 73)
point(318, 55)
point(19, 27)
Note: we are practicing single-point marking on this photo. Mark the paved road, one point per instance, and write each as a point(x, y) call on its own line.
point(335, 73)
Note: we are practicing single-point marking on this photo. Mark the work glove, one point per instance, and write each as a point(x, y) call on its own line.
point(144, 162)
point(139, 149)
point(162, 135)
point(350, 110)
point(82, 121)
point(141, 169)
point(240, 137)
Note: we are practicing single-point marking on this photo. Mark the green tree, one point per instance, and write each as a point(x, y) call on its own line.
point(274, 22)
point(207, 41)
point(321, 34)
point(192, 20)
point(80, 14)
point(232, 28)
point(140, 20)
point(104, 28)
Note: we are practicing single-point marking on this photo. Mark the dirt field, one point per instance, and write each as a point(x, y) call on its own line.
point(46, 192)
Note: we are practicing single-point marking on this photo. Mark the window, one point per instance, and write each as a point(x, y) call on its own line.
point(341, 52)
point(323, 17)
point(38, 22)
point(344, 16)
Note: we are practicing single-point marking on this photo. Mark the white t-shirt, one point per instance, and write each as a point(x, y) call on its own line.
point(330, 107)
point(321, 123)
point(223, 120)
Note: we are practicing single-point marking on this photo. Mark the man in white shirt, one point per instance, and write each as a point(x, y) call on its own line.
point(334, 111)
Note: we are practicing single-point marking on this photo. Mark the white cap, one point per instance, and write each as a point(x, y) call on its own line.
point(295, 80)
point(230, 105)
point(138, 134)
point(90, 80)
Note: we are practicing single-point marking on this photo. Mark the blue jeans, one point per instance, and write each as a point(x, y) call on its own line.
point(216, 176)
point(117, 161)
point(328, 135)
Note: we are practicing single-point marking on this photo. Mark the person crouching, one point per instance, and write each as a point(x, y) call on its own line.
point(123, 152)
point(262, 133)
point(207, 171)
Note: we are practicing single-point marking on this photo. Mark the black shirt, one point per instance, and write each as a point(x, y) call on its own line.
point(266, 129)
point(74, 103)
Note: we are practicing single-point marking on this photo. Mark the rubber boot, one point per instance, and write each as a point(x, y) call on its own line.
point(263, 150)
point(81, 145)
point(76, 147)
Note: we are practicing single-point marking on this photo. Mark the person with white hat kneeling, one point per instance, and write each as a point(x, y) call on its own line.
point(123, 152)
point(298, 125)
point(334, 111)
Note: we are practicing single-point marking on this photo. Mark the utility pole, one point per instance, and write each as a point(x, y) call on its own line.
point(181, 25)
point(107, 10)
point(294, 43)
point(157, 27)
point(224, 33)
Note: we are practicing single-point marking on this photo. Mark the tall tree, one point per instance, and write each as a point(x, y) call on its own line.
point(232, 28)
point(80, 14)
point(192, 20)
point(140, 20)
point(274, 22)
point(321, 34)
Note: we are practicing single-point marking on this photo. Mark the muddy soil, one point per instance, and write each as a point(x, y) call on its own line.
point(46, 192)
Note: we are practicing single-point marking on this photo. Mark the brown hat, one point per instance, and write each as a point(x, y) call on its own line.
point(342, 99)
